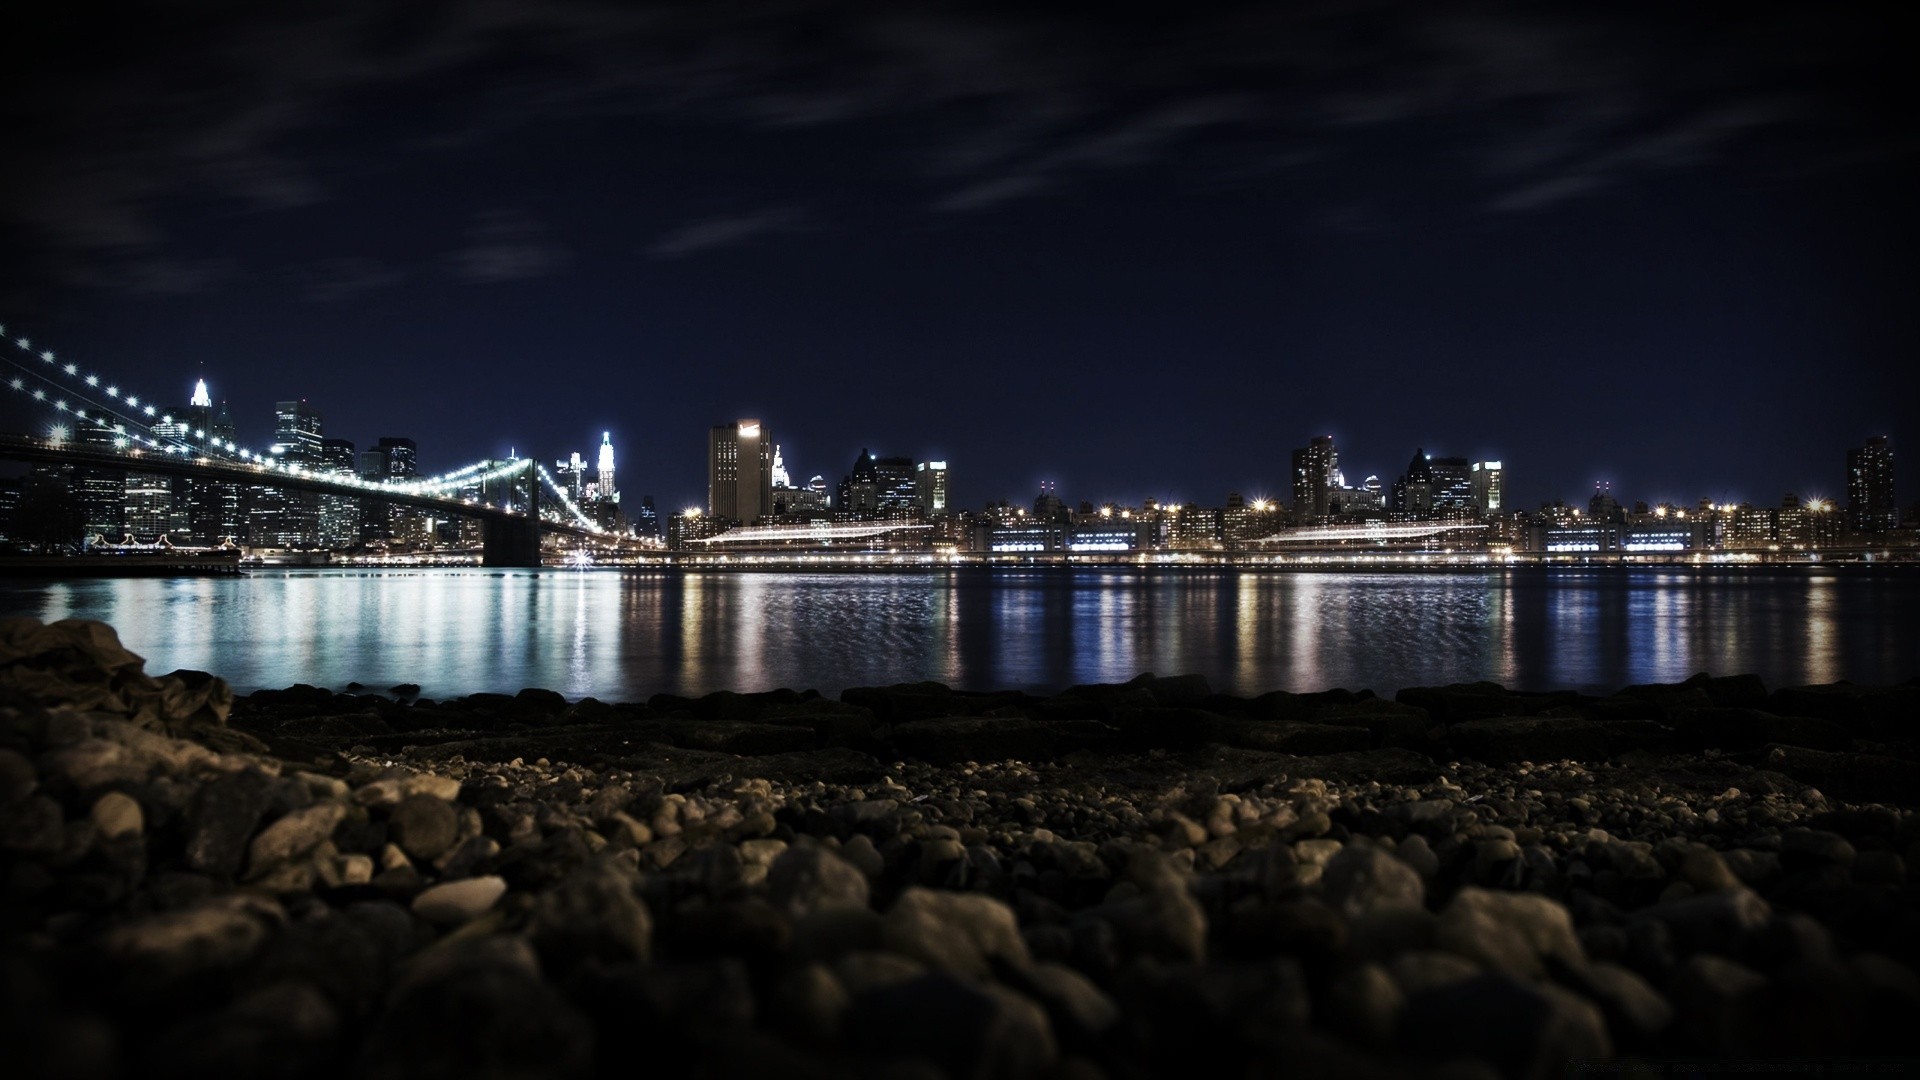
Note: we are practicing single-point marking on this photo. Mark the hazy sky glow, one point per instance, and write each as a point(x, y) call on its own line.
point(1144, 255)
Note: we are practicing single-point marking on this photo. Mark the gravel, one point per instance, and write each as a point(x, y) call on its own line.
point(1114, 881)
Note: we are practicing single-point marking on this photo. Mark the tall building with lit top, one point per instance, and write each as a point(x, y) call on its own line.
point(930, 486)
point(608, 493)
point(213, 509)
point(1870, 495)
point(739, 472)
point(1489, 481)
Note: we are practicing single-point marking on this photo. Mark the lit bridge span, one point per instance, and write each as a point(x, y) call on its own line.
point(1370, 532)
point(818, 533)
point(142, 438)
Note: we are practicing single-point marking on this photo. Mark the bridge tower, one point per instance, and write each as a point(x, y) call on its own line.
point(514, 541)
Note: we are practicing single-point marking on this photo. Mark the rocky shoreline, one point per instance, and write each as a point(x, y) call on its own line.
point(909, 881)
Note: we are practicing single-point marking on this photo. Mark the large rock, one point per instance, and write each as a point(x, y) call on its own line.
point(219, 934)
point(220, 819)
point(1363, 878)
point(1520, 934)
point(805, 879)
point(293, 836)
point(592, 915)
point(424, 826)
point(964, 933)
point(456, 902)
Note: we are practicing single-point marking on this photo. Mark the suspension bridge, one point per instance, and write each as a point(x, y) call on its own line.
point(130, 432)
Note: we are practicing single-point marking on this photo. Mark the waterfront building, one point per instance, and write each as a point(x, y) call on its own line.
point(1668, 535)
point(739, 472)
point(1027, 537)
point(1195, 527)
point(1313, 467)
point(1591, 537)
point(1870, 491)
point(1488, 483)
point(1110, 535)
point(1751, 528)
point(930, 487)
point(689, 525)
point(1808, 524)
point(1242, 521)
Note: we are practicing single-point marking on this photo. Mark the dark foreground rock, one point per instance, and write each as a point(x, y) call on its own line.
point(1116, 881)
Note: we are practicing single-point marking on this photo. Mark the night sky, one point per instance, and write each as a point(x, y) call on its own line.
point(1147, 254)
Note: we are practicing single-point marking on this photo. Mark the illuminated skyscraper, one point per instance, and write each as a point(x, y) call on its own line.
point(739, 472)
point(1313, 467)
point(608, 493)
point(284, 518)
point(930, 484)
point(1870, 495)
point(1489, 486)
point(780, 477)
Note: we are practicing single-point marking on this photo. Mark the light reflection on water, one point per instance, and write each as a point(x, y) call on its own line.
point(625, 636)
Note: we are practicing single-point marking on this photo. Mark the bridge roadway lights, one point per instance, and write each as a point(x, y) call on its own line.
point(510, 541)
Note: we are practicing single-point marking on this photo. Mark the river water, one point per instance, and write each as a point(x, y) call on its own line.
point(621, 636)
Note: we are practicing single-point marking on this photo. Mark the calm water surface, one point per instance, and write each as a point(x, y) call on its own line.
point(623, 636)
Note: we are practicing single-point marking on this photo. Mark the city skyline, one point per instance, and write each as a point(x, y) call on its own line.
point(1591, 241)
point(1839, 490)
point(750, 485)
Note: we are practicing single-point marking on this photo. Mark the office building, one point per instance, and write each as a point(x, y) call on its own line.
point(1313, 467)
point(879, 487)
point(101, 493)
point(1452, 484)
point(930, 487)
point(739, 472)
point(280, 517)
point(339, 514)
point(1870, 493)
point(150, 513)
point(1488, 480)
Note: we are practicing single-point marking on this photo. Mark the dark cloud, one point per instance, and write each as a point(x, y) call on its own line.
point(332, 280)
point(235, 107)
point(723, 232)
point(507, 246)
